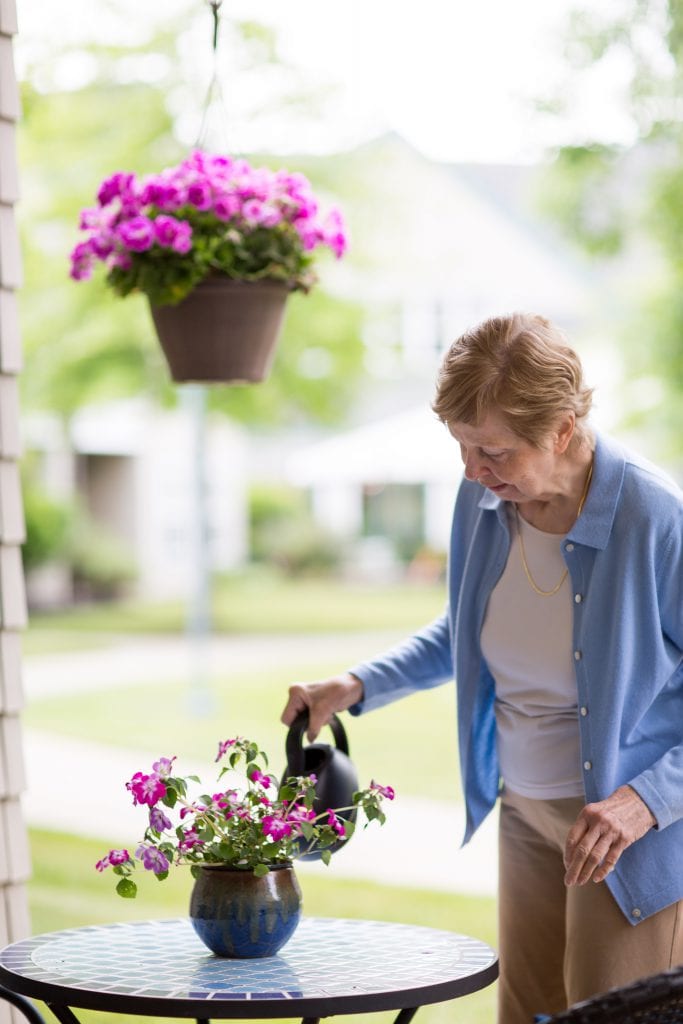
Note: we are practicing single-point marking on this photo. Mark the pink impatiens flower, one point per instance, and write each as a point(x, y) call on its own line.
point(385, 791)
point(113, 858)
point(158, 820)
point(276, 828)
point(224, 747)
point(146, 789)
point(259, 778)
point(335, 823)
point(299, 814)
point(189, 841)
point(163, 767)
point(153, 859)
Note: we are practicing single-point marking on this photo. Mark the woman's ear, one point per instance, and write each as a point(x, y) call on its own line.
point(564, 433)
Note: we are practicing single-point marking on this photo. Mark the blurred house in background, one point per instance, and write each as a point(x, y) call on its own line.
point(131, 468)
point(385, 489)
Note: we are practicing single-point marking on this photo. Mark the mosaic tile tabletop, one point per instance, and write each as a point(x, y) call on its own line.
point(326, 959)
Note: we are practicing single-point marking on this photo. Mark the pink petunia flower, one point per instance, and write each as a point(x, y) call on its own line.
point(82, 259)
point(118, 185)
point(137, 234)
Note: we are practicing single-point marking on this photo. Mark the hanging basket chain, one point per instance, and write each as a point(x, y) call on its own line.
point(214, 94)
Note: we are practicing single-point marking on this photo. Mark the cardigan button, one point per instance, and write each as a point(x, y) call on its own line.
point(588, 765)
point(569, 547)
point(637, 912)
point(577, 655)
point(578, 598)
point(583, 711)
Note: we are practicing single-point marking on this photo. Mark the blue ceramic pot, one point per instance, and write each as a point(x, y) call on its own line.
point(238, 915)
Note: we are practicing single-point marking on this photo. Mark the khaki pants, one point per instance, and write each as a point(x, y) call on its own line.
point(559, 945)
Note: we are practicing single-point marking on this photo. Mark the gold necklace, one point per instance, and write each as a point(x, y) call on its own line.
point(527, 571)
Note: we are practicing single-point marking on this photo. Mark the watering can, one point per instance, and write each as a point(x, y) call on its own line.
point(336, 775)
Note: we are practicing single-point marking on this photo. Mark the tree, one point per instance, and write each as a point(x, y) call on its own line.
point(613, 196)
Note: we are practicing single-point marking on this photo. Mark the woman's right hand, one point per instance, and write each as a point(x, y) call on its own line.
point(322, 699)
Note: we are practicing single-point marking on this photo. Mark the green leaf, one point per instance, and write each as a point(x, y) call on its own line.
point(161, 875)
point(326, 856)
point(308, 830)
point(260, 870)
point(127, 888)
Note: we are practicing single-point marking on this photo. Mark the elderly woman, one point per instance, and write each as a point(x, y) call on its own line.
point(564, 632)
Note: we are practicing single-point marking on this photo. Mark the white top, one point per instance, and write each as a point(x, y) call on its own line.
point(527, 643)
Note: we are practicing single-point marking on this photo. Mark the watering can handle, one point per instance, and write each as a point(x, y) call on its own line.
point(294, 749)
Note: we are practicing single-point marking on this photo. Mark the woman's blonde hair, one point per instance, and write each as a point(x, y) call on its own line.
point(520, 366)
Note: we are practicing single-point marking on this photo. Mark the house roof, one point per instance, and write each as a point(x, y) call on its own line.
point(409, 447)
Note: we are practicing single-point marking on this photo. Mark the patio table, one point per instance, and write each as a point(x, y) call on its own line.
point(330, 966)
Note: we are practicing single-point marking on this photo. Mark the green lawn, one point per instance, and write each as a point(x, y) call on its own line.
point(253, 603)
point(67, 892)
point(409, 745)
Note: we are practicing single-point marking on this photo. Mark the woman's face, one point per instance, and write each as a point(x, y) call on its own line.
point(505, 463)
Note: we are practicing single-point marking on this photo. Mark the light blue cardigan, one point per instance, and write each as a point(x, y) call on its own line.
point(625, 561)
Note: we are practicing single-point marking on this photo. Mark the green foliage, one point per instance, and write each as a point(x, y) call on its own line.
point(577, 192)
point(284, 534)
point(610, 199)
point(81, 344)
point(167, 277)
point(270, 506)
point(48, 525)
point(101, 564)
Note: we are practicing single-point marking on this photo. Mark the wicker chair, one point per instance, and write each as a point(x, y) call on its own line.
point(654, 1000)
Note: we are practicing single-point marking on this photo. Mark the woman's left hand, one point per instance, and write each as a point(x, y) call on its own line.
point(602, 832)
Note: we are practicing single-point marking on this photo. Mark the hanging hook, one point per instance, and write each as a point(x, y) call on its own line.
point(215, 6)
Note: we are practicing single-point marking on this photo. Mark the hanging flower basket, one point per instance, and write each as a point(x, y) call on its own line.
point(223, 331)
point(175, 235)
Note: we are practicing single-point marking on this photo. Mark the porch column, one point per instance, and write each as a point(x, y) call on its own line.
point(14, 856)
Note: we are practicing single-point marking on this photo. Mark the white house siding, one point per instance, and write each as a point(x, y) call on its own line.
point(140, 485)
point(409, 448)
point(14, 856)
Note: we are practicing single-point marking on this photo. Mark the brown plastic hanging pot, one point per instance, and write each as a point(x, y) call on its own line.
point(224, 331)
